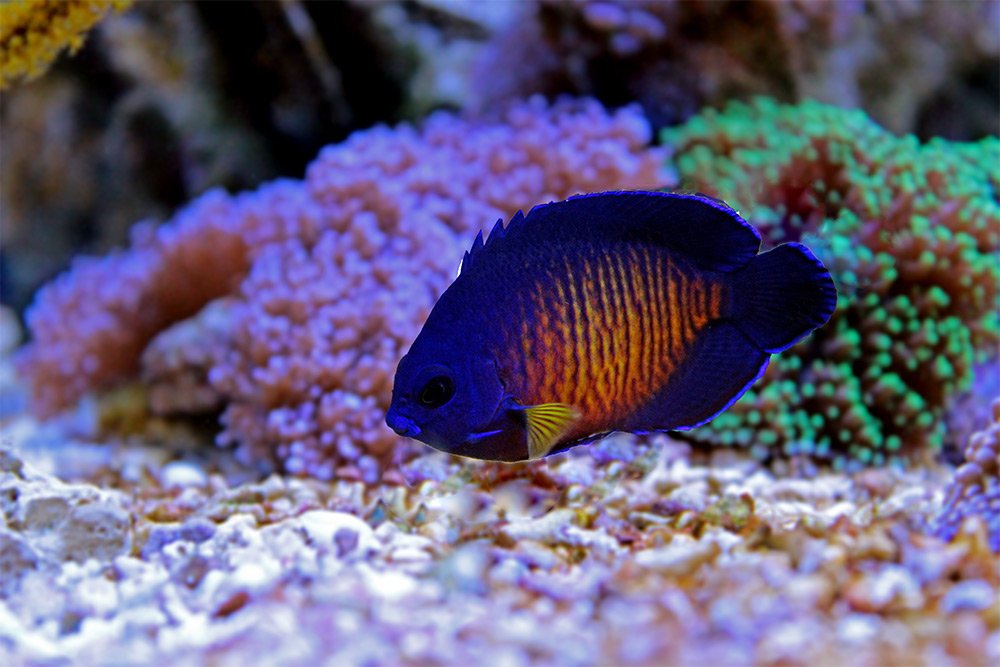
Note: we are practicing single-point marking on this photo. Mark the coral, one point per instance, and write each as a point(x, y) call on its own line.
point(911, 233)
point(436, 43)
point(91, 324)
point(902, 62)
point(329, 312)
point(975, 490)
point(164, 102)
point(332, 277)
point(33, 32)
point(176, 363)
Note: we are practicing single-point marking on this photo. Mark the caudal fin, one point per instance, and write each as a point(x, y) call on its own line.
point(781, 296)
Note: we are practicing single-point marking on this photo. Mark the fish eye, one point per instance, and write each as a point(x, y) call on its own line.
point(437, 391)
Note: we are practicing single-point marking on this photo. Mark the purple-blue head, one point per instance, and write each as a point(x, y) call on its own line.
point(447, 394)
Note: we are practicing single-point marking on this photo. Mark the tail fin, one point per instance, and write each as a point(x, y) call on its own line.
point(781, 296)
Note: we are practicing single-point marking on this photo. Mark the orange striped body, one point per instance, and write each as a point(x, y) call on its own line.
point(605, 330)
point(613, 311)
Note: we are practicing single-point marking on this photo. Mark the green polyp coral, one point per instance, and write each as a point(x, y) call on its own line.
point(911, 234)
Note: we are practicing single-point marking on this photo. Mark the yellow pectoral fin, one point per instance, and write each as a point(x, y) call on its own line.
point(547, 423)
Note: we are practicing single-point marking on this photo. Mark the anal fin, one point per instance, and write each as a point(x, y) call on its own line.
point(717, 370)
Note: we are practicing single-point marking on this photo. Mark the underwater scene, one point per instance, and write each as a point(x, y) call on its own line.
point(506, 332)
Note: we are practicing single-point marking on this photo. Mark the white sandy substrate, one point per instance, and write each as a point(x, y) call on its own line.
point(626, 552)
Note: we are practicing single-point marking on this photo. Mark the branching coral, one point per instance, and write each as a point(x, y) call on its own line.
point(911, 233)
point(976, 488)
point(332, 276)
point(33, 32)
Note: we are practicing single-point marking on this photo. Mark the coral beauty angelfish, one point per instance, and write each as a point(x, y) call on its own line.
point(616, 311)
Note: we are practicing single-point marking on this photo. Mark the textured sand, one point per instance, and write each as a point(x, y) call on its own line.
point(622, 553)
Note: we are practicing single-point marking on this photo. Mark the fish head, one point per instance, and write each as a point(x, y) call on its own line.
point(454, 402)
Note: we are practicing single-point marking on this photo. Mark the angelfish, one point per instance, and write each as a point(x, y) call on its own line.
point(615, 311)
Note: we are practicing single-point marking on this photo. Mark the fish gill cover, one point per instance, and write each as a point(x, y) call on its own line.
point(911, 234)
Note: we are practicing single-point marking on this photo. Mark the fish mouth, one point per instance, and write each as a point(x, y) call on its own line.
point(403, 426)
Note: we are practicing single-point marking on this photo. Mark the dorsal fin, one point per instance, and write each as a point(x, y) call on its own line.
point(497, 234)
point(477, 247)
point(516, 223)
point(703, 228)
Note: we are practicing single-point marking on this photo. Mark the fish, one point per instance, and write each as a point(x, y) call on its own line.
point(632, 311)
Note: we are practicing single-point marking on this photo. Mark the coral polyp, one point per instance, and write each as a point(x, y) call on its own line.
point(975, 490)
point(911, 233)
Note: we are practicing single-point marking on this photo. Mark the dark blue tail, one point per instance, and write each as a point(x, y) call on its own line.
point(781, 296)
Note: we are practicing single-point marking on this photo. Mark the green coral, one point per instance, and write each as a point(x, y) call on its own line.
point(911, 234)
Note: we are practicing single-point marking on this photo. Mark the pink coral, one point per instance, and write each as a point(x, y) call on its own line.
point(327, 316)
point(91, 324)
point(338, 272)
point(975, 490)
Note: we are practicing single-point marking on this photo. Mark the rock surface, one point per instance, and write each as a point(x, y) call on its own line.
point(625, 552)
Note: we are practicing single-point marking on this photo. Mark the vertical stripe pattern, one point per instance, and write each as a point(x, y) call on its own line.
point(603, 331)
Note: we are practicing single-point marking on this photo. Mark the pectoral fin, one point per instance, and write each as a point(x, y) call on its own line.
point(547, 423)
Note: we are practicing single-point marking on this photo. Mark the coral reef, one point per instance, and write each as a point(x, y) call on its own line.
point(911, 233)
point(975, 492)
point(626, 552)
point(268, 315)
point(331, 276)
point(90, 325)
point(176, 363)
point(328, 279)
point(900, 62)
point(166, 101)
point(34, 32)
